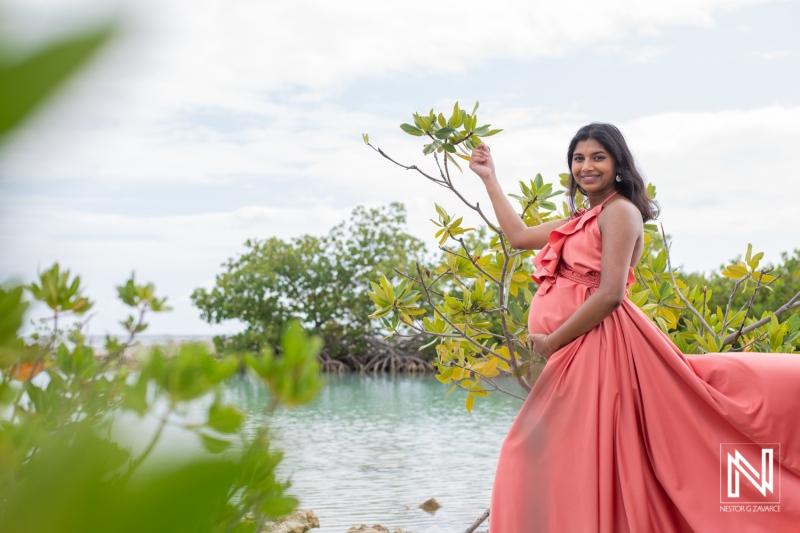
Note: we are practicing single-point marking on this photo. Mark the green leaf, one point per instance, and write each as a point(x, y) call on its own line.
point(28, 82)
point(432, 147)
point(442, 213)
point(12, 309)
point(455, 118)
point(213, 444)
point(444, 133)
point(224, 418)
point(412, 130)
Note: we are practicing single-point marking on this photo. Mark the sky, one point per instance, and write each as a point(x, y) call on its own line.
point(208, 122)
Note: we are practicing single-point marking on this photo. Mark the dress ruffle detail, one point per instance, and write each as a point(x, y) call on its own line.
point(547, 260)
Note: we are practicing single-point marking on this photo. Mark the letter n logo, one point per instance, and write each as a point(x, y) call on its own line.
point(748, 472)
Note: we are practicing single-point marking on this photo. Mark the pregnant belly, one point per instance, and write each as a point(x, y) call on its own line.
point(550, 310)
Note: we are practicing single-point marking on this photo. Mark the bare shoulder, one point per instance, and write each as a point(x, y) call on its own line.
point(620, 212)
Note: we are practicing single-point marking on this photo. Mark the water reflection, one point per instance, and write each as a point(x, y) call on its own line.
point(370, 449)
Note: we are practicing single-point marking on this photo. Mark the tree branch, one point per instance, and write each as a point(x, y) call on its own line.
point(689, 306)
point(463, 335)
point(730, 302)
point(412, 167)
point(487, 380)
point(747, 312)
point(478, 522)
point(791, 304)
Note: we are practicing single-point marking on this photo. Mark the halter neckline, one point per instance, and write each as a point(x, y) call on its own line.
point(606, 199)
point(583, 210)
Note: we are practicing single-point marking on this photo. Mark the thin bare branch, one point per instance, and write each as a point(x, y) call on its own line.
point(481, 519)
point(747, 312)
point(407, 167)
point(788, 306)
point(405, 275)
point(468, 258)
point(765, 271)
point(705, 299)
point(503, 291)
point(528, 206)
point(730, 303)
point(743, 348)
point(689, 306)
point(445, 335)
point(445, 175)
point(487, 380)
point(474, 262)
point(463, 335)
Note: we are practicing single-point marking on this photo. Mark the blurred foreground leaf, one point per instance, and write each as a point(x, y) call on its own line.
point(26, 83)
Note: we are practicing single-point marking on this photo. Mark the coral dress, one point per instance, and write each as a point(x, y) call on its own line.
point(624, 433)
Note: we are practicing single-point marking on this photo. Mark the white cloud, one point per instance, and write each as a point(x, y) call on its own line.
point(187, 98)
point(134, 117)
point(178, 57)
point(177, 253)
point(724, 179)
point(772, 54)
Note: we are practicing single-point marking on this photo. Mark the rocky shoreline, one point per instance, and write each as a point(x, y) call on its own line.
point(304, 520)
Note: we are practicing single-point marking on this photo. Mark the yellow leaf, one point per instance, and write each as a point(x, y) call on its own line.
point(470, 402)
point(502, 365)
point(735, 272)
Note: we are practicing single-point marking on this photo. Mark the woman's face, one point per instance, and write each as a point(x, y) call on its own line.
point(593, 168)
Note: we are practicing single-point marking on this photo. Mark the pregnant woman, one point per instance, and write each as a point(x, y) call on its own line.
point(622, 432)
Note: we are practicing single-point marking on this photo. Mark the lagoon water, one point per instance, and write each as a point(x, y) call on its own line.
point(371, 448)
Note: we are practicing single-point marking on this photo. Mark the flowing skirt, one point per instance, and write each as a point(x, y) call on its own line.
point(622, 432)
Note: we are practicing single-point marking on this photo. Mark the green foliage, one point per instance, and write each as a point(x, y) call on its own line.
point(293, 377)
point(719, 286)
point(456, 135)
point(59, 292)
point(475, 304)
point(65, 488)
point(28, 82)
point(62, 400)
point(321, 281)
point(12, 310)
point(60, 469)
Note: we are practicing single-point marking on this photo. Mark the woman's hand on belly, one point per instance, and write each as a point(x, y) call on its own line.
point(541, 345)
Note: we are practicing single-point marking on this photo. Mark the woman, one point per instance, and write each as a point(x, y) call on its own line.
point(621, 431)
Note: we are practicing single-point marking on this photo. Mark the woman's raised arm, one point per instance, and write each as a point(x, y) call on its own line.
point(518, 234)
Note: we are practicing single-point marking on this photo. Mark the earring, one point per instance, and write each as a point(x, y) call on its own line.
point(618, 178)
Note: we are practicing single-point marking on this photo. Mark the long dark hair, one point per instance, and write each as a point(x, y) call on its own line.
point(632, 186)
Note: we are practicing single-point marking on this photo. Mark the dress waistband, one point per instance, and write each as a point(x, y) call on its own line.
point(591, 279)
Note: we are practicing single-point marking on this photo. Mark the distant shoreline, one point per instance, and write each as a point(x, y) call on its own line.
point(99, 341)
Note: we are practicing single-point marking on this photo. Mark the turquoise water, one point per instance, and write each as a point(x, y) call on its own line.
point(370, 449)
